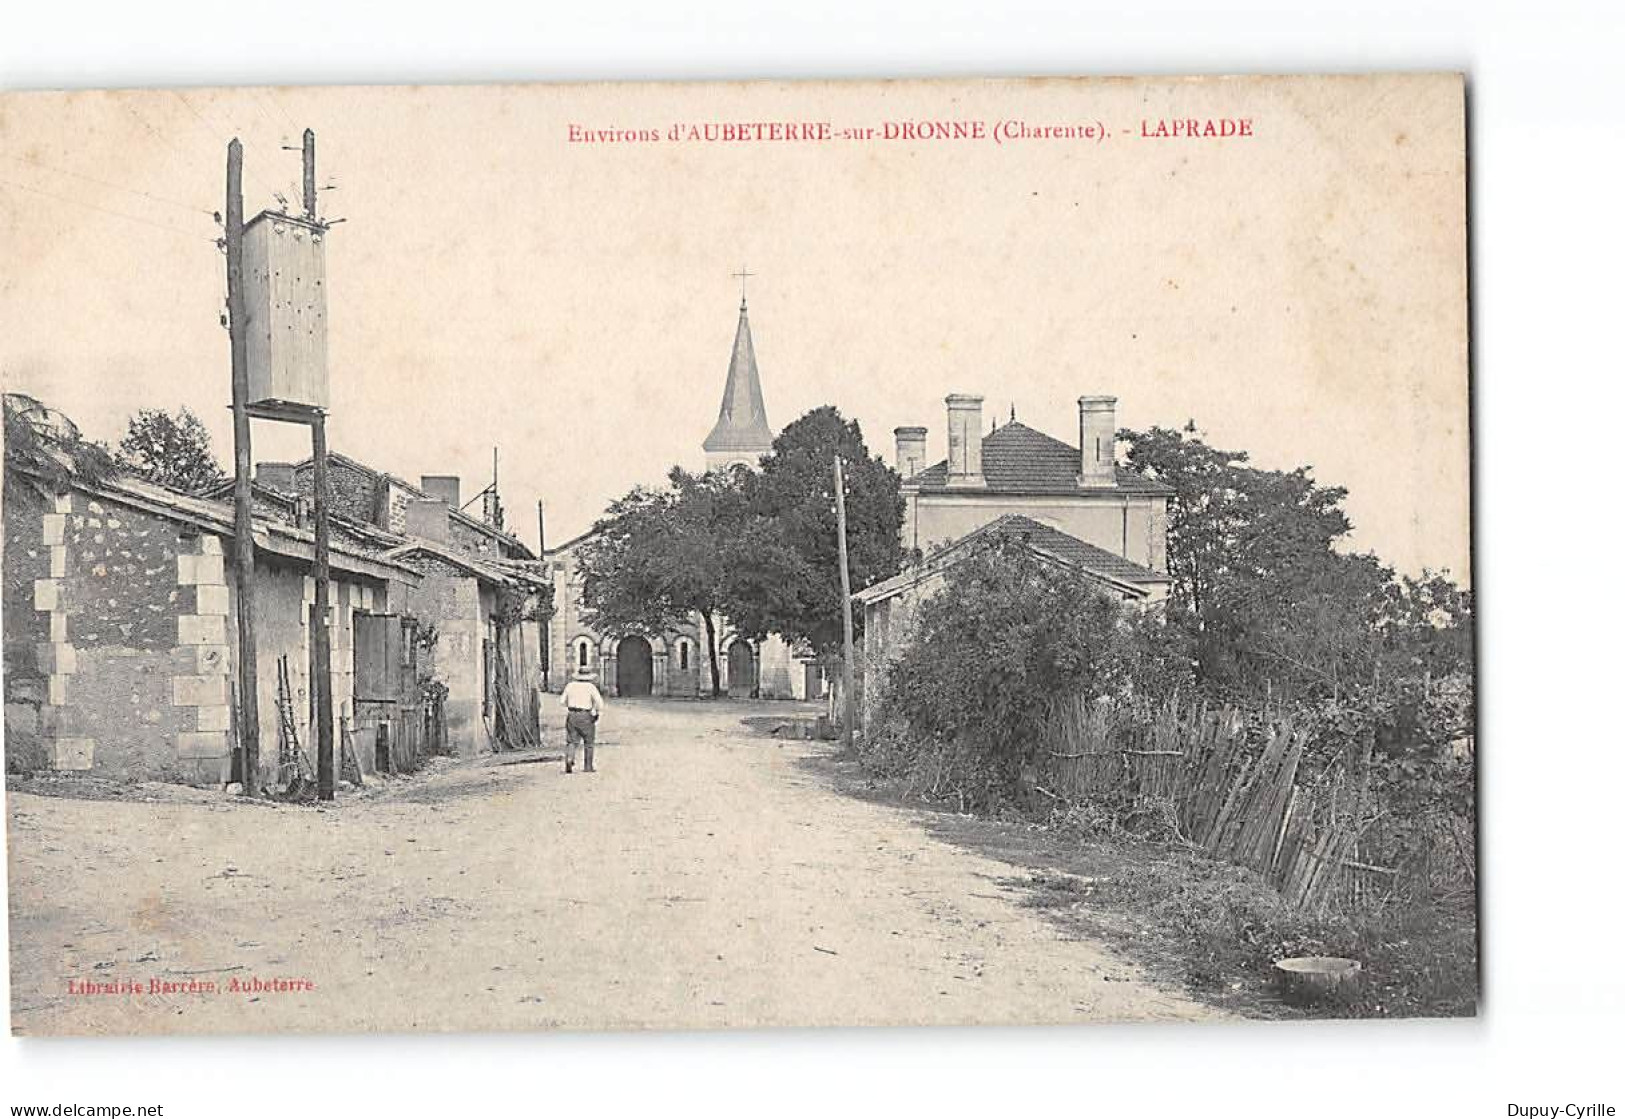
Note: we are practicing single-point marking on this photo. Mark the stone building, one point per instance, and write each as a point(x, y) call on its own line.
point(489, 665)
point(120, 622)
point(677, 663)
point(120, 629)
point(1072, 507)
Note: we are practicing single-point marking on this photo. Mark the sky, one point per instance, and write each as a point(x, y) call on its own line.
point(1300, 292)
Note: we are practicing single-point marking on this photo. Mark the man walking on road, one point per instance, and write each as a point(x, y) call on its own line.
point(582, 706)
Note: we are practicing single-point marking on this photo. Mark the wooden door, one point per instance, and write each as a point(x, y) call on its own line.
point(741, 670)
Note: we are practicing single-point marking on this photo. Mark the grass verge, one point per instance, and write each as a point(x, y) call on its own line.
point(1211, 928)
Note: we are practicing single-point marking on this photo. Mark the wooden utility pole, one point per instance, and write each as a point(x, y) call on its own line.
point(309, 166)
point(248, 692)
point(321, 632)
point(547, 625)
point(849, 701)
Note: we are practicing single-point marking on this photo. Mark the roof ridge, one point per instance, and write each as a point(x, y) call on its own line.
point(1089, 549)
point(164, 500)
point(1019, 458)
point(416, 491)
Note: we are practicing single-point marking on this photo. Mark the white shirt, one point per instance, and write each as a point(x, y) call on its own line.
point(582, 695)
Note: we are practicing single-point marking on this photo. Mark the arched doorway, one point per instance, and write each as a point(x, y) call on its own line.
point(741, 670)
point(634, 667)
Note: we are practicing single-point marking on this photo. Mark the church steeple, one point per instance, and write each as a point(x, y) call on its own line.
point(742, 433)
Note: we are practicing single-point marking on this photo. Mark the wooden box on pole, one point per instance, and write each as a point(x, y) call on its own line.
point(285, 297)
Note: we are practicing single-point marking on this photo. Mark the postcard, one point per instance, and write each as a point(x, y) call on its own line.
point(737, 555)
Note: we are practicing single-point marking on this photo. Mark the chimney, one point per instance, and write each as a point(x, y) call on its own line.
point(427, 518)
point(276, 476)
point(1097, 441)
point(447, 488)
point(965, 441)
point(491, 508)
point(910, 451)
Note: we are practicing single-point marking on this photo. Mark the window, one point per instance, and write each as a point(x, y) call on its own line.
point(682, 656)
point(581, 655)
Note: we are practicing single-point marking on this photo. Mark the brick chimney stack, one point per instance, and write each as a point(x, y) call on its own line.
point(1097, 441)
point(965, 441)
point(444, 487)
point(428, 518)
point(278, 476)
point(910, 451)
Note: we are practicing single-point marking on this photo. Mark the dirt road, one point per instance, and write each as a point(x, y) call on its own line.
point(702, 878)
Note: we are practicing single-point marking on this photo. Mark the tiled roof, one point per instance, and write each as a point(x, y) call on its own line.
point(360, 556)
point(223, 490)
point(1063, 546)
point(1049, 542)
point(1020, 459)
point(496, 572)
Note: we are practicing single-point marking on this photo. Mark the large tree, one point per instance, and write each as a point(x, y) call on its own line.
point(1265, 595)
point(171, 449)
point(786, 575)
point(659, 556)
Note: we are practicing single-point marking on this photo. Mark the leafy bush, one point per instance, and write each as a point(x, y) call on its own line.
point(45, 451)
point(1008, 632)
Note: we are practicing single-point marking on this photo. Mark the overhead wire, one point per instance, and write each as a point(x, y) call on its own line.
point(179, 205)
point(104, 210)
point(214, 130)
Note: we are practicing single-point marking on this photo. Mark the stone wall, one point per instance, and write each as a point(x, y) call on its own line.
point(120, 643)
point(284, 602)
point(460, 611)
point(465, 538)
point(693, 678)
point(351, 491)
point(778, 670)
point(28, 559)
point(567, 627)
point(128, 675)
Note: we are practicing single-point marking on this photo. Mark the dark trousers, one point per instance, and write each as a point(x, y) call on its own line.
point(580, 728)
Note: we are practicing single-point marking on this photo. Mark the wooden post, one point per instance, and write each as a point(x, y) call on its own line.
point(848, 654)
point(321, 632)
point(309, 161)
point(248, 722)
point(547, 625)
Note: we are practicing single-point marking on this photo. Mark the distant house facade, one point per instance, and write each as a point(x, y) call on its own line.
point(1078, 490)
point(1071, 507)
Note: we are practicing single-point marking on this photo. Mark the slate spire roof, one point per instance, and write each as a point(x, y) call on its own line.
point(742, 420)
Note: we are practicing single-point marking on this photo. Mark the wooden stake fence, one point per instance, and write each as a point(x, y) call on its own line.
point(1237, 793)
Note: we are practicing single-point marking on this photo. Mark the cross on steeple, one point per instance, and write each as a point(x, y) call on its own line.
point(742, 275)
